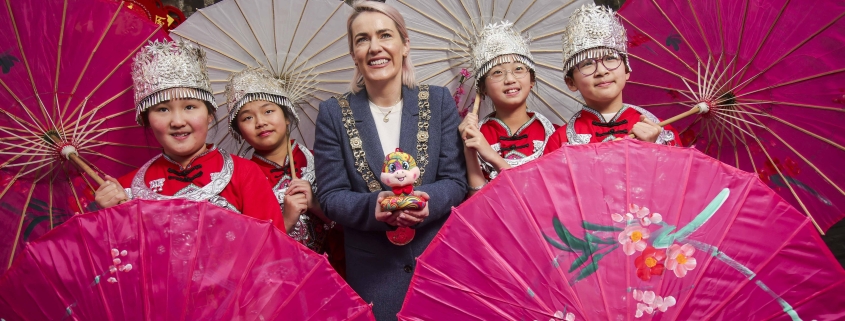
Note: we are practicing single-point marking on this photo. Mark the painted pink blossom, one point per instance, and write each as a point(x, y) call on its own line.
point(645, 215)
point(459, 91)
point(680, 259)
point(633, 239)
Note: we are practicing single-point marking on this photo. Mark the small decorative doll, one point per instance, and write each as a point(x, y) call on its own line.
point(400, 172)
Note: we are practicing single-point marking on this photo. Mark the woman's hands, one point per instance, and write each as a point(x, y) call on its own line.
point(401, 218)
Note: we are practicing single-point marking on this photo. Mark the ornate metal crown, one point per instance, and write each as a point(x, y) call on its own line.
point(169, 70)
point(593, 31)
point(499, 43)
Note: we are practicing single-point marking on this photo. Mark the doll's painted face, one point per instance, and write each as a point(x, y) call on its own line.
point(399, 169)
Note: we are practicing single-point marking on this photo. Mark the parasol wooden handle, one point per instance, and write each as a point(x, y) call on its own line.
point(71, 154)
point(476, 103)
point(290, 159)
point(699, 108)
point(84, 167)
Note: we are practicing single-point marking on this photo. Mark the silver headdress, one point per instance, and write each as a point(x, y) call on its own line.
point(169, 70)
point(255, 83)
point(499, 43)
point(592, 32)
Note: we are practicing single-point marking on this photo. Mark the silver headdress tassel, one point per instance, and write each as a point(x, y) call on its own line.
point(169, 70)
point(255, 83)
point(592, 32)
point(499, 43)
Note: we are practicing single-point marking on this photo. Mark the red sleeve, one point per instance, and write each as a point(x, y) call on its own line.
point(126, 180)
point(255, 193)
point(557, 139)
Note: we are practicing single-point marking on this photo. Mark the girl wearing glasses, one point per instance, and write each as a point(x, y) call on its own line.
point(595, 62)
point(512, 135)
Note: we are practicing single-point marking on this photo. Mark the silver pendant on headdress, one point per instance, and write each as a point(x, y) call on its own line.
point(592, 32)
point(499, 43)
point(167, 70)
point(256, 83)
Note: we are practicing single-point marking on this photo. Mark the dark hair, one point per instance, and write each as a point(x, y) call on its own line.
point(289, 118)
point(482, 87)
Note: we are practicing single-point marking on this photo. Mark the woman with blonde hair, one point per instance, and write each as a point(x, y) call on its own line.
point(386, 110)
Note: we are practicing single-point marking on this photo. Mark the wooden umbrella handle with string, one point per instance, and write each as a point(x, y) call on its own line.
point(70, 153)
point(290, 158)
point(699, 108)
point(476, 103)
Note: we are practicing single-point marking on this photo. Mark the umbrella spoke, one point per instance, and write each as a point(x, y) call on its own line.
point(763, 41)
point(107, 157)
point(659, 67)
point(58, 64)
point(254, 35)
point(432, 19)
point(678, 31)
point(540, 19)
point(655, 40)
point(792, 82)
point(302, 48)
point(700, 30)
point(559, 116)
point(91, 55)
point(25, 62)
point(105, 79)
point(805, 131)
point(304, 61)
point(783, 178)
point(560, 90)
point(35, 123)
point(775, 102)
point(799, 45)
point(20, 223)
point(496, 256)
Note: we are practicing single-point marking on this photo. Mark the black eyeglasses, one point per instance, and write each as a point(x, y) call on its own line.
point(588, 67)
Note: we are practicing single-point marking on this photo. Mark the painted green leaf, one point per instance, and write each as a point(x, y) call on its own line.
point(578, 262)
point(596, 227)
point(587, 271)
point(556, 244)
point(664, 239)
point(569, 239)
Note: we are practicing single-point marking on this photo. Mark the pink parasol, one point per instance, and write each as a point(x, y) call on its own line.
point(65, 95)
point(773, 77)
point(173, 260)
point(626, 230)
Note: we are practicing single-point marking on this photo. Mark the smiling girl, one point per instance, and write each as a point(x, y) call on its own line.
point(173, 99)
point(512, 135)
point(261, 112)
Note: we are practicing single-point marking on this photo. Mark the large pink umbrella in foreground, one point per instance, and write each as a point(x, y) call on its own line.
point(626, 230)
point(65, 94)
point(173, 260)
point(773, 75)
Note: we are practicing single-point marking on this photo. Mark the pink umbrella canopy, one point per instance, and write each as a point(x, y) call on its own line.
point(774, 77)
point(623, 231)
point(173, 260)
point(64, 86)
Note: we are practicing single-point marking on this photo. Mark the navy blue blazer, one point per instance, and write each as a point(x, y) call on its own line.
point(378, 270)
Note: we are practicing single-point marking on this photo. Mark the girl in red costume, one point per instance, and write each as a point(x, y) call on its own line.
point(512, 135)
point(595, 63)
point(173, 98)
point(261, 112)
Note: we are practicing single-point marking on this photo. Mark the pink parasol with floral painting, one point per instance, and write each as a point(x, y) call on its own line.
point(65, 105)
point(173, 260)
point(773, 76)
point(626, 230)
